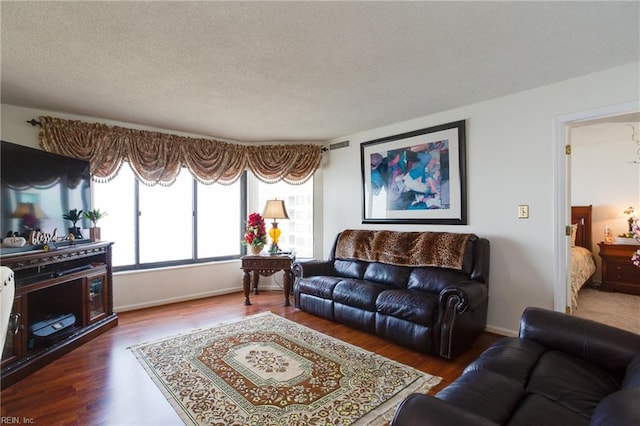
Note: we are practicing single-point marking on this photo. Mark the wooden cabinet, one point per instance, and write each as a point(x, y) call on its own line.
point(72, 282)
point(618, 272)
point(12, 350)
point(96, 294)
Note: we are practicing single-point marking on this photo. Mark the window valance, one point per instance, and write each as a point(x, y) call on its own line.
point(157, 158)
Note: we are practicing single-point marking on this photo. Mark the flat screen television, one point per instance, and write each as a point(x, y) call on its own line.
point(38, 187)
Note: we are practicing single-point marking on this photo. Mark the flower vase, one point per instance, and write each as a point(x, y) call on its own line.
point(256, 249)
point(94, 233)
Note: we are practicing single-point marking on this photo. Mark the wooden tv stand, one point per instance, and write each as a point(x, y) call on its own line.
point(73, 280)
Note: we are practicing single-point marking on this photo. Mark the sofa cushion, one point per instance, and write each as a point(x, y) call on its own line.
point(538, 410)
point(396, 276)
point(350, 268)
point(486, 393)
point(571, 382)
point(319, 286)
point(358, 293)
point(412, 305)
point(406, 333)
point(512, 357)
point(434, 279)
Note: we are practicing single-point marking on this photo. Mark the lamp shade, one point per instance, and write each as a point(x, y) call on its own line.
point(275, 209)
point(23, 209)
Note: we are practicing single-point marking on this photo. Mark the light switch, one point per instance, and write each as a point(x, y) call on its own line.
point(523, 211)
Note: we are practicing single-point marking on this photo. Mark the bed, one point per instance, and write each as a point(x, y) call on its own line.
point(583, 264)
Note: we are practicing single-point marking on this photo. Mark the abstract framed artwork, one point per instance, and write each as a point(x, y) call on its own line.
point(416, 177)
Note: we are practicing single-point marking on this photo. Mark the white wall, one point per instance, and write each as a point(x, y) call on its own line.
point(510, 161)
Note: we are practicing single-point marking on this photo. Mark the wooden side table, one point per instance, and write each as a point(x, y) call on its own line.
point(618, 272)
point(256, 265)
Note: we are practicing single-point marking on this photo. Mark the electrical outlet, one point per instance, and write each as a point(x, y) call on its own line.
point(523, 211)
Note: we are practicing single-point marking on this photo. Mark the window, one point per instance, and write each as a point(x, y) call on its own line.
point(297, 232)
point(166, 221)
point(117, 198)
point(186, 222)
point(219, 216)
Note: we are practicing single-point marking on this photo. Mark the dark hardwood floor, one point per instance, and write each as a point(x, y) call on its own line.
point(101, 383)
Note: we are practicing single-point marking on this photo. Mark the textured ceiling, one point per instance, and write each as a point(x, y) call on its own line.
point(266, 71)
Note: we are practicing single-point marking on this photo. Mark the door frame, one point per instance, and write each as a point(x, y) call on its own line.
point(562, 195)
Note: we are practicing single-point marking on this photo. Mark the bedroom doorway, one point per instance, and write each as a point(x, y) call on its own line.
point(585, 133)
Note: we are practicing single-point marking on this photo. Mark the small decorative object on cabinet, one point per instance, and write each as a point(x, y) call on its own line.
point(608, 234)
point(94, 216)
point(255, 235)
point(74, 216)
point(13, 241)
point(618, 271)
point(69, 289)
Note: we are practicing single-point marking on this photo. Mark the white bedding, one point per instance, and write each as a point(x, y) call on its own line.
point(582, 267)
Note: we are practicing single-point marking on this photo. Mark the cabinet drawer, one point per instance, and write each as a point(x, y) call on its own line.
point(623, 272)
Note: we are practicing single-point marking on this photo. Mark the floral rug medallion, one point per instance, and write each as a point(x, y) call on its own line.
point(267, 370)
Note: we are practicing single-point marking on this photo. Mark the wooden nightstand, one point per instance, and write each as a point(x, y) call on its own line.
point(618, 272)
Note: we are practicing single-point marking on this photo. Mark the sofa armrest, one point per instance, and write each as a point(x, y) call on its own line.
point(313, 267)
point(619, 408)
point(605, 346)
point(419, 410)
point(467, 294)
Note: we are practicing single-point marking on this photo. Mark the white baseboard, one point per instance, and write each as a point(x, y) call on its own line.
point(501, 331)
point(160, 302)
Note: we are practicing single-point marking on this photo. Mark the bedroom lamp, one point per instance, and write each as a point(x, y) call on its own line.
point(630, 212)
point(274, 209)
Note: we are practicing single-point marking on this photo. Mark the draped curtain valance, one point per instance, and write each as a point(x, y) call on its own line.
point(157, 158)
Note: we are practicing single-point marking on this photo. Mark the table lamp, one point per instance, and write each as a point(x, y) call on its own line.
point(632, 218)
point(275, 209)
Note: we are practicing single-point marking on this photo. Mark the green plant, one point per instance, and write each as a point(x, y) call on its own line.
point(73, 215)
point(94, 216)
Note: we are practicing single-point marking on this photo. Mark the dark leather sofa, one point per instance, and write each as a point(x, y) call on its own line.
point(561, 370)
point(432, 309)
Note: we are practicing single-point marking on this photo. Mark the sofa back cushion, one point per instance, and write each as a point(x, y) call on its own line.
point(571, 382)
point(350, 268)
point(396, 276)
point(434, 279)
point(608, 347)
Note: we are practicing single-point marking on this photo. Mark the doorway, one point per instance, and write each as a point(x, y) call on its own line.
point(570, 130)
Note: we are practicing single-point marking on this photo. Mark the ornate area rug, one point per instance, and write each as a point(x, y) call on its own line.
point(267, 370)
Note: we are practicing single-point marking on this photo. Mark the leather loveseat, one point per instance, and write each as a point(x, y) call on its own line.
point(424, 290)
point(561, 370)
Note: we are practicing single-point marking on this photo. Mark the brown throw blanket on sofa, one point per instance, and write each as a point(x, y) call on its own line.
point(438, 249)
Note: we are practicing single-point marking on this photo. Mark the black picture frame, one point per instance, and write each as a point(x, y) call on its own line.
point(418, 177)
